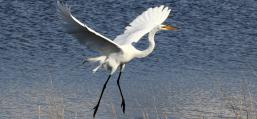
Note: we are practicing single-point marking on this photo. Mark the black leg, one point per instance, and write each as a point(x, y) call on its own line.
point(97, 105)
point(122, 98)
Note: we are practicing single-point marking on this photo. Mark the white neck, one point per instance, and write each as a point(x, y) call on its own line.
point(151, 46)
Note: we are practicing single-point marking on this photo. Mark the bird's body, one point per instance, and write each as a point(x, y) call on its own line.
point(118, 52)
point(112, 61)
point(128, 52)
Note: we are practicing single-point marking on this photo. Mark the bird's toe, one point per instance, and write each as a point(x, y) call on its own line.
point(123, 106)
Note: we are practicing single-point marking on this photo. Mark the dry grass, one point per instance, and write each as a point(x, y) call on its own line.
point(242, 105)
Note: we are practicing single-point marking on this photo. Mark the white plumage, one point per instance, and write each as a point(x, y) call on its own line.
point(120, 51)
point(84, 34)
point(143, 24)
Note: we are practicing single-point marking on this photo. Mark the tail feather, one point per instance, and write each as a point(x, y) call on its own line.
point(100, 59)
point(96, 59)
point(95, 69)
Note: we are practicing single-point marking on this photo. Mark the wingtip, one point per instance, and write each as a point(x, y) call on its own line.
point(162, 7)
point(60, 1)
point(63, 7)
point(169, 10)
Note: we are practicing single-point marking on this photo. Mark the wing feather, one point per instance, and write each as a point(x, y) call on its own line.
point(143, 24)
point(84, 34)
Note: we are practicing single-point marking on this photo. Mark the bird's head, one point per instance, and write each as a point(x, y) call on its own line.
point(167, 27)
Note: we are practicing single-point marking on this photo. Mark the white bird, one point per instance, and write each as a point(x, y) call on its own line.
point(116, 53)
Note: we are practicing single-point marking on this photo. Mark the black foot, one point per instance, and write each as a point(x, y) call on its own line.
point(123, 105)
point(95, 108)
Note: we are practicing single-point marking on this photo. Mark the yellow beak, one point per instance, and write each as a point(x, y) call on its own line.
point(168, 27)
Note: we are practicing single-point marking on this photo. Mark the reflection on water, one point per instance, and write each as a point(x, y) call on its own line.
point(202, 70)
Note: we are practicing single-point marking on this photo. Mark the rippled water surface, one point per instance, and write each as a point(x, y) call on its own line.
point(194, 72)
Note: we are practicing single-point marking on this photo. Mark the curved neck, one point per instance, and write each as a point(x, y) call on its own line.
point(151, 46)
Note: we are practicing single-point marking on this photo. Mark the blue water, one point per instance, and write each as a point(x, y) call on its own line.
point(190, 74)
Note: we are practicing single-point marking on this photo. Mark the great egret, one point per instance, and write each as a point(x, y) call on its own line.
point(116, 53)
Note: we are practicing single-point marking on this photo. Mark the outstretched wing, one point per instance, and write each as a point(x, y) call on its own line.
point(84, 34)
point(143, 24)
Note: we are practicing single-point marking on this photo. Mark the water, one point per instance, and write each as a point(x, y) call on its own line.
point(193, 72)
